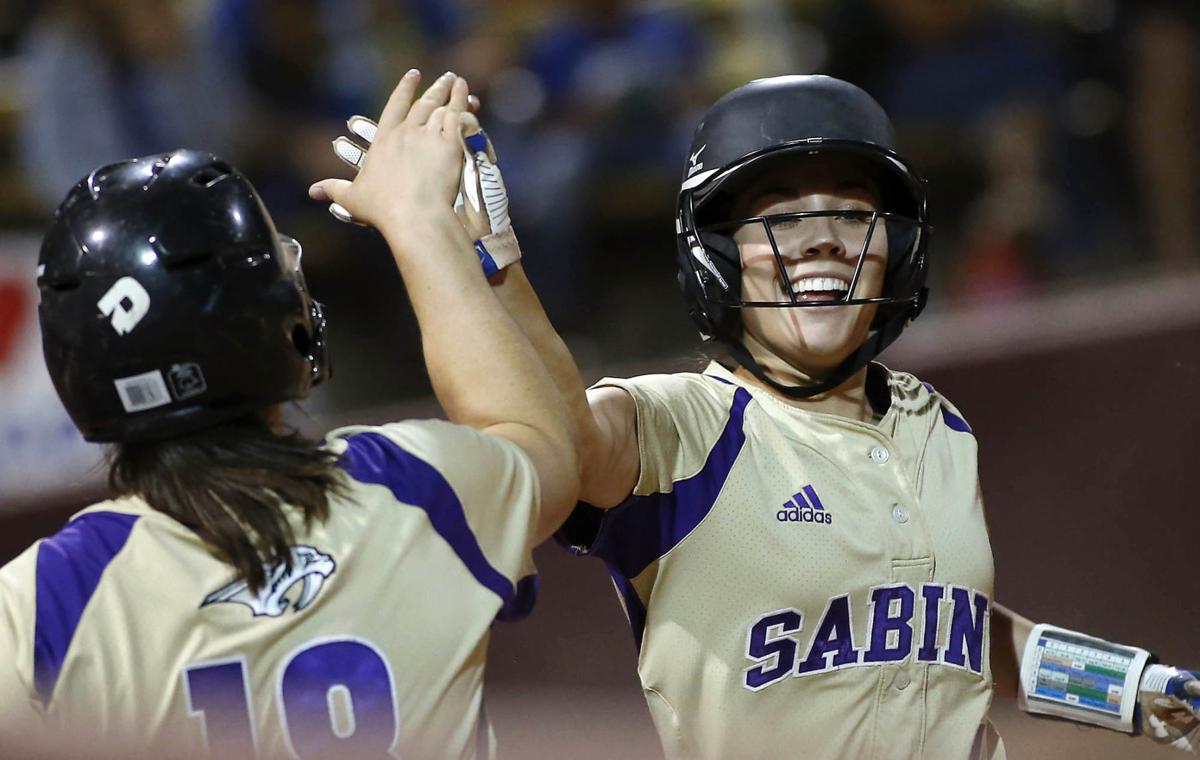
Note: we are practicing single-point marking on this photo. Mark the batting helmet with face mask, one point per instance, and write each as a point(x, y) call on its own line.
point(745, 134)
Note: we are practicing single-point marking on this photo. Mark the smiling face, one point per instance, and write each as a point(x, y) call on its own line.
point(819, 256)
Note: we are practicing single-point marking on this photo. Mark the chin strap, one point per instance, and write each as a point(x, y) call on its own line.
point(862, 356)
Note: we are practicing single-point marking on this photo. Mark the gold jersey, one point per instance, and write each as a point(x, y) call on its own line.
point(124, 629)
point(802, 584)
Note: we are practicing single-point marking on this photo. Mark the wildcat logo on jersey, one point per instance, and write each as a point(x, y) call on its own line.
point(773, 643)
point(309, 567)
point(804, 506)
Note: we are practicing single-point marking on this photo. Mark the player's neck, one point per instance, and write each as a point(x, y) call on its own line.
point(849, 399)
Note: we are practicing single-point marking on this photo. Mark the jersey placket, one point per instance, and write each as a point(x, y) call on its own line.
point(899, 713)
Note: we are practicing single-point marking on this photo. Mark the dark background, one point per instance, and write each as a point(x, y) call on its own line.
point(1061, 140)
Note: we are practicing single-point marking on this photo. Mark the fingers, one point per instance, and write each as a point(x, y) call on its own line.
point(436, 119)
point(474, 137)
point(346, 150)
point(450, 124)
point(342, 215)
point(332, 190)
point(469, 123)
point(459, 93)
point(473, 103)
point(470, 213)
point(329, 189)
point(363, 128)
point(1193, 687)
point(400, 101)
point(434, 97)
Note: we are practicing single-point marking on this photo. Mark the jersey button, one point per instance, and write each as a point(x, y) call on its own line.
point(880, 455)
point(899, 514)
point(902, 680)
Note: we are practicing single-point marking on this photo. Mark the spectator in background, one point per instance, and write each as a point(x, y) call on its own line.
point(15, 16)
point(592, 148)
point(109, 79)
point(972, 89)
point(306, 65)
point(1164, 109)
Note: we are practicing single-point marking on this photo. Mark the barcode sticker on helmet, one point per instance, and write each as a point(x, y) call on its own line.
point(141, 392)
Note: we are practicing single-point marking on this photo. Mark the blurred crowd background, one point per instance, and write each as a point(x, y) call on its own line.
point(1061, 139)
point(1058, 135)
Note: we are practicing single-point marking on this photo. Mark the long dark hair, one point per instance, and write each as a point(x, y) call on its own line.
point(230, 484)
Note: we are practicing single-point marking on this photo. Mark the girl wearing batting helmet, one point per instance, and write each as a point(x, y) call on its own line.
point(797, 535)
point(249, 591)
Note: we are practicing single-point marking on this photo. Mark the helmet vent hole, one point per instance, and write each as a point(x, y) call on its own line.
point(212, 174)
point(301, 340)
point(64, 285)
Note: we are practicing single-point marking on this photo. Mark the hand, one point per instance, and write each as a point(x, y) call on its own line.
point(1170, 706)
point(413, 167)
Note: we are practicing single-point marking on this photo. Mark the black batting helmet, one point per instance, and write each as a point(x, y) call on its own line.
point(751, 129)
point(169, 302)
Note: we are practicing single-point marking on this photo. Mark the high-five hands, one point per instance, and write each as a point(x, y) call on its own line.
point(482, 202)
point(414, 163)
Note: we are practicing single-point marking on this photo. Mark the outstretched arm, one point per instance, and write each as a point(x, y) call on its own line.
point(605, 418)
point(1163, 702)
point(483, 369)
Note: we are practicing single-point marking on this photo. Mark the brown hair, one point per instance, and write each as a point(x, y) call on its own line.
point(231, 484)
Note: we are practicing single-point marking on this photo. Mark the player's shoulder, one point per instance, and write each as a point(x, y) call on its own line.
point(421, 448)
point(101, 529)
point(710, 387)
point(64, 569)
point(913, 397)
point(413, 434)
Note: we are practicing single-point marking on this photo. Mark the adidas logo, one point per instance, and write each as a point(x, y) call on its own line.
point(804, 506)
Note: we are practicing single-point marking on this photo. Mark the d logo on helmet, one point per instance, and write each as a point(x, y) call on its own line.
point(125, 318)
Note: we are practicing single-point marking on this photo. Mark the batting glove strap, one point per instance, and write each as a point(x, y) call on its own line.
point(497, 250)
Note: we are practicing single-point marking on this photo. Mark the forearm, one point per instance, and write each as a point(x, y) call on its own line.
point(483, 370)
point(518, 298)
point(1066, 669)
point(605, 435)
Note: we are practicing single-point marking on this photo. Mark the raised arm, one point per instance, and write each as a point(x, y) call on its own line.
point(605, 419)
point(483, 369)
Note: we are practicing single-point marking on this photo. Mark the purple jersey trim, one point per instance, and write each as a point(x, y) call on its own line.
point(634, 609)
point(952, 420)
point(643, 528)
point(525, 596)
point(69, 567)
point(374, 459)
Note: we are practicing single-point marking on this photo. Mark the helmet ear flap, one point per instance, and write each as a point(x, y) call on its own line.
point(710, 276)
point(906, 277)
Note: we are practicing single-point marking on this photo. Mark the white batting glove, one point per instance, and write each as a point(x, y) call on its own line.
point(482, 188)
point(1170, 707)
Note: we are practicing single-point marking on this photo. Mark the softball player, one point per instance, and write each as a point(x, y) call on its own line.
point(250, 592)
point(797, 536)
